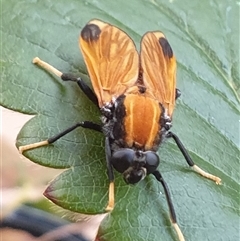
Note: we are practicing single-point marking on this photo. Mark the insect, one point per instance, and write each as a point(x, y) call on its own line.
point(136, 94)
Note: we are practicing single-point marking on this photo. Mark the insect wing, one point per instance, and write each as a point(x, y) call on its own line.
point(111, 59)
point(159, 69)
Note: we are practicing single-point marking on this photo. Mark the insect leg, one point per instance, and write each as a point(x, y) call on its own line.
point(173, 218)
point(190, 161)
point(110, 205)
point(84, 124)
point(68, 77)
point(83, 86)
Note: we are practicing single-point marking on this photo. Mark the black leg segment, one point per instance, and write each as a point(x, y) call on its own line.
point(108, 160)
point(159, 177)
point(84, 87)
point(111, 195)
point(84, 124)
point(181, 147)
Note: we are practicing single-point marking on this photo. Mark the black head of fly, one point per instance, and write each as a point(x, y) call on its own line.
point(134, 165)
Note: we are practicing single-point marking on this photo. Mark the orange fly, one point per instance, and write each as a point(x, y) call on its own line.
point(136, 95)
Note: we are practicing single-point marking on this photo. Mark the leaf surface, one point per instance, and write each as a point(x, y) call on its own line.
point(204, 37)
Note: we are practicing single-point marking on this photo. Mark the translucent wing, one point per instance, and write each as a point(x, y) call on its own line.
point(111, 59)
point(159, 69)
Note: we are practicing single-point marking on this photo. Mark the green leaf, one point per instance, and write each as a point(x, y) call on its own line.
point(204, 36)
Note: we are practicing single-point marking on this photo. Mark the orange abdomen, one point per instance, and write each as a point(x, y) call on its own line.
point(141, 121)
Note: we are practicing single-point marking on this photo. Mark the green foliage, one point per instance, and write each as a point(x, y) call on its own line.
point(204, 36)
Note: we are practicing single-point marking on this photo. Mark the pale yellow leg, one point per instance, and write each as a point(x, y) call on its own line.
point(110, 205)
point(32, 146)
point(216, 179)
point(47, 66)
point(179, 232)
point(53, 70)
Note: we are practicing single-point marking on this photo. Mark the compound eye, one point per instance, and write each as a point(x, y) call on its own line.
point(122, 159)
point(152, 161)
